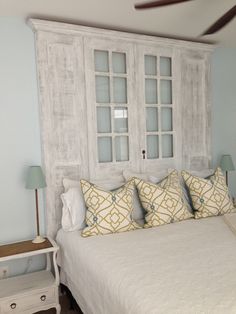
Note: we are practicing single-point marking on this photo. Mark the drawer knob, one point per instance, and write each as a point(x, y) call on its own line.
point(13, 305)
point(43, 297)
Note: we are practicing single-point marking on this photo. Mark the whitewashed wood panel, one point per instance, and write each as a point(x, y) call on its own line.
point(196, 125)
point(68, 122)
point(63, 116)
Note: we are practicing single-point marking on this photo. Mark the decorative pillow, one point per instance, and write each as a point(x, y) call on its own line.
point(210, 197)
point(163, 202)
point(74, 208)
point(182, 184)
point(139, 211)
point(108, 211)
point(200, 173)
point(204, 173)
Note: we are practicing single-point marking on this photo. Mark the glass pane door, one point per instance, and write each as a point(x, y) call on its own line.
point(111, 106)
point(158, 100)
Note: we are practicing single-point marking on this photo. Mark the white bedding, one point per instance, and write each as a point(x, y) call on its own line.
point(186, 267)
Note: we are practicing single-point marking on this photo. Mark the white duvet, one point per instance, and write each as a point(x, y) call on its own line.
point(183, 268)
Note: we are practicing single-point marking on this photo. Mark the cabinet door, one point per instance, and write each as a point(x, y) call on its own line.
point(111, 105)
point(196, 109)
point(60, 65)
point(157, 114)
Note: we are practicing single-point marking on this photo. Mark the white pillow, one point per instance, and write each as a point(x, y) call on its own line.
point(74, 208)
point(128, 174)
point(68, 183)
point(105, 184)
point(204, 173)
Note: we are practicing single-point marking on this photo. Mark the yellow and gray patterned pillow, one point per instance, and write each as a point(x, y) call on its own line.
point(210, 196)
point(108, 211)
point(163, 202)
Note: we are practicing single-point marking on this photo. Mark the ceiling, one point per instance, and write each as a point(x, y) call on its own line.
point(186, 20)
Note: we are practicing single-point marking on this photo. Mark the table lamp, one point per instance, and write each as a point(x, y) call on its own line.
point(226, 165)
point(35, 180)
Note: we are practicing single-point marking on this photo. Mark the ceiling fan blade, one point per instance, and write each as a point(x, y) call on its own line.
point(221, 22)
point(158, 3)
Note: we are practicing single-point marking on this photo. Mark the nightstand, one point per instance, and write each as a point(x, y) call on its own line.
point(31, 292)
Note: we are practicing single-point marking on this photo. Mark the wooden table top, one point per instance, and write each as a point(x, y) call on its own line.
point(23, 247)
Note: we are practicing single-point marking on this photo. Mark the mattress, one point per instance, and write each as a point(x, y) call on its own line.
point(186, 267)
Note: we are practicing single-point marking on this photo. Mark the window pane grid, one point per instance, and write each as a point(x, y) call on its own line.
point(119, 62)
point(158, 106)
point(118, 141)
point(165, 66)
point(111, 106)
point(101, 63)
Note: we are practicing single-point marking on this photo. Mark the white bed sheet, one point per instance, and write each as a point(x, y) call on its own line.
point(186, 267)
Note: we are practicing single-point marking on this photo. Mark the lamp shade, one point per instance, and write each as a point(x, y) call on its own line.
point(35, 178)
point(226, 163)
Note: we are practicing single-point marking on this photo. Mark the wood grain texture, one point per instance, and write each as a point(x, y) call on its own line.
point(23, 247)
point(65, 67)
point(196, 125)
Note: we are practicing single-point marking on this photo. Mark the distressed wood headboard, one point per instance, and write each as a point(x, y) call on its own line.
point(63, 103)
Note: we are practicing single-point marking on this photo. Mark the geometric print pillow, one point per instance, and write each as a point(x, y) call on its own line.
point(210, 197)
point(108, 211)
point(163, 202)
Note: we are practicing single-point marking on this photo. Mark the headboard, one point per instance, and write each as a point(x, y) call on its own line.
point(63, 95)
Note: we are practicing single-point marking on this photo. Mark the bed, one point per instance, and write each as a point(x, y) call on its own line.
point(185, 267)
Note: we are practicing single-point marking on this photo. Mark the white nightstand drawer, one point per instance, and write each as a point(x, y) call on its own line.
point(31, 301)
point(31, 292)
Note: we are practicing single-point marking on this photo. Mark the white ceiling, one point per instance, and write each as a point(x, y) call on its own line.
point(186, 20)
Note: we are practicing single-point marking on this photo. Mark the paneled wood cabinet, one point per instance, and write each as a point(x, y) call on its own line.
point(113, 100)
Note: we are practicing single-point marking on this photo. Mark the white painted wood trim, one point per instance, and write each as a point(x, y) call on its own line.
point(23, 255)
point(73, 29)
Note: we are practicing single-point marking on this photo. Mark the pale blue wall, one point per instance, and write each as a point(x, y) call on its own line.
point(19, 135)
point(224, 108)
point(19, 123)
